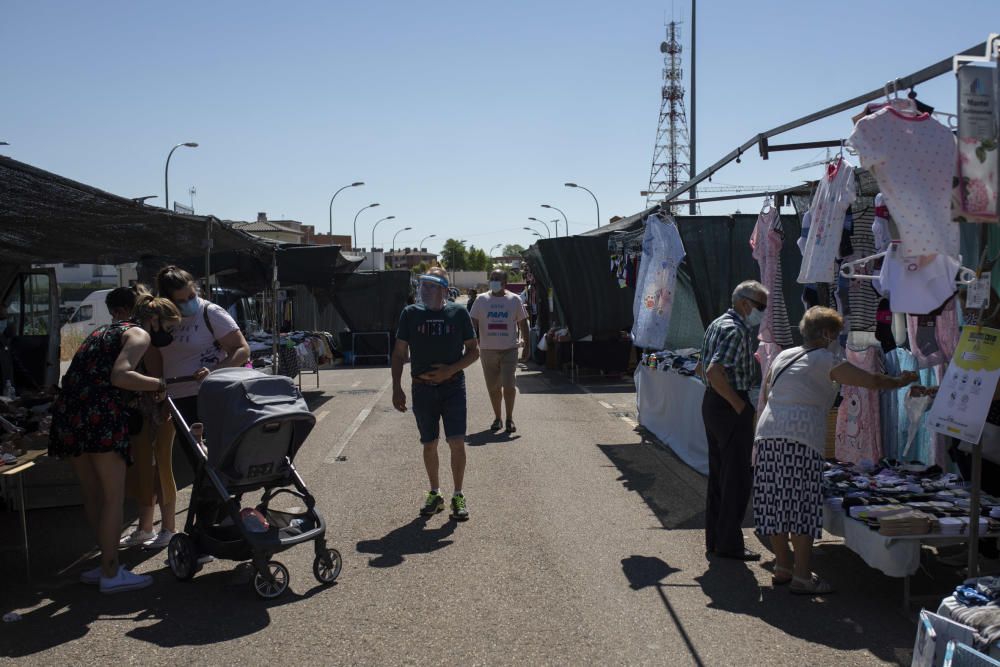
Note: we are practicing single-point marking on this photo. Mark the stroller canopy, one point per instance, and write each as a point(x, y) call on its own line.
point(232, 401)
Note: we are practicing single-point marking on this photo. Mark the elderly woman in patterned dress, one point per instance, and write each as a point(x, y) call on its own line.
point(799, 391)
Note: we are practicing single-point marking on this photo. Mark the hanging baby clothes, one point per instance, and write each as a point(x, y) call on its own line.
point(864, 299)
point(934, 336)
point(831, 201)
point(880, 225)
point(662, 252)
point(917, 285)
point(858, 423)
point(913, 159)
point(766, 241)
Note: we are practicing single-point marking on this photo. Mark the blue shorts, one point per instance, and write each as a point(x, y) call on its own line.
point(433, 404)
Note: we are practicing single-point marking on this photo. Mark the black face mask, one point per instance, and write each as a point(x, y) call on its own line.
point(161, 338)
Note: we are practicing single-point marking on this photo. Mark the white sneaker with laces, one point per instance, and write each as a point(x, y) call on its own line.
point(125, 580)
point(161, 540)
point(136, 538)
point(92, 577)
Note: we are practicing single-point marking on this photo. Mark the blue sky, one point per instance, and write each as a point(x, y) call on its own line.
point(461, 117)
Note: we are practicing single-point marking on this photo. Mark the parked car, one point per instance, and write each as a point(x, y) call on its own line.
point(90, 314)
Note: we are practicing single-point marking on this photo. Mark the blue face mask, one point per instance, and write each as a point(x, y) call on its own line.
point(189, 308)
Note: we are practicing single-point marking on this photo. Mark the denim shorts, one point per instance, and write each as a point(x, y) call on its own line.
point(433, 404)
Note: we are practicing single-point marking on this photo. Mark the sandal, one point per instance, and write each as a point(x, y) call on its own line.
point(812, 586)
point(781, 576)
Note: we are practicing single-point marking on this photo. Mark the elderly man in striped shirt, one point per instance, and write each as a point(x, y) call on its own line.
point(728, 366)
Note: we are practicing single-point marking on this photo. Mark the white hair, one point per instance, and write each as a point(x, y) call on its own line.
point(749, 288)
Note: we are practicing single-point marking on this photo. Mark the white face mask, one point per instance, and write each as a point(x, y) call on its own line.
point(496, 286)
point(754, 318)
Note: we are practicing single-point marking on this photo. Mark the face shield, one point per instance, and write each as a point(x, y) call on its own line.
point(432, 291)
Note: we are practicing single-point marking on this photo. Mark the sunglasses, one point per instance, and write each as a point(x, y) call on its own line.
point(757, 304)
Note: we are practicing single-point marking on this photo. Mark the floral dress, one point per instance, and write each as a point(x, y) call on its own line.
point(89, 415)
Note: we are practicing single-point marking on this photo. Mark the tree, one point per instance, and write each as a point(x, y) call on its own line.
point(513, 250)
point(420, 268)
point(454, 256)
point(478, 259)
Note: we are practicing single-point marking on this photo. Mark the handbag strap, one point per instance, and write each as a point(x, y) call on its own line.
point(784, 368)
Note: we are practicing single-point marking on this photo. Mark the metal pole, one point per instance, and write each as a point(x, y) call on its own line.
point(693, 139)
point(565, 219)
point(596, 203)
point(275, 329)
point(166, 180)
point(208, 259)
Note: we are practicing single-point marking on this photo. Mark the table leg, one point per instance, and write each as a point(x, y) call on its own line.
point(906, 594)
point(24, 526)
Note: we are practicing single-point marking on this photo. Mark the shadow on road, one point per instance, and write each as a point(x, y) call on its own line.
point(489, 437)
point(208, 610)
point(413, 538)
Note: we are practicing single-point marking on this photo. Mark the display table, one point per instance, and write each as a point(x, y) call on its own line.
point(669, 407)
point(16, 472)
point(897, 556)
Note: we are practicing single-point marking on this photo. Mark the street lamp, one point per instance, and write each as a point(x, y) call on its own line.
point(432, 236)
point(544, 224)
point(565, 219)
point(404, 229)
point(533, 230)
point(352, 185)
point(356, 223)
point(499, 245)
point(166, 182)
point(574, 185)
point(388, 217)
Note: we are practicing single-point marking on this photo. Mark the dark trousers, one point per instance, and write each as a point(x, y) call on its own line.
point(730, 476)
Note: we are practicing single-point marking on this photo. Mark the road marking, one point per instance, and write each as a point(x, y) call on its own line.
point(355, 384)
point(356, 424)
point(321, 416)
point(606, 406)
point(630, 422)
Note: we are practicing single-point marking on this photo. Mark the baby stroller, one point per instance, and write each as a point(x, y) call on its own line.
point(254, 424)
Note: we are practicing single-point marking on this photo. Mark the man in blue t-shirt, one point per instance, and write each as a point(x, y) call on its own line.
point(441, 342)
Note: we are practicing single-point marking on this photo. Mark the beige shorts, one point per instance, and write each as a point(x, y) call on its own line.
point(499, 367)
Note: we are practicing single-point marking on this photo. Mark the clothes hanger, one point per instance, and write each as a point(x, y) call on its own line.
point(966, 276)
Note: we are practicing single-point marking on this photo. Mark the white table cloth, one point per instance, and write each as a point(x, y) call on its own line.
point(669, 407)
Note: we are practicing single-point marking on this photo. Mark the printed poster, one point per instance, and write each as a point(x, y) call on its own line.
point(963, 399)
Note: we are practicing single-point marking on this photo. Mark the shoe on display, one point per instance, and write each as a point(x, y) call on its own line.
point(433, 504)
point(125, 580)
point(161, 540)
point(136, 538)
point(91, 577)
point(459, 510)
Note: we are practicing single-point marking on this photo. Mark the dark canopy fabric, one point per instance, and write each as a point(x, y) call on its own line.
point(372, 301)
point(312, 266)
point(588, 298)
point(45, 218)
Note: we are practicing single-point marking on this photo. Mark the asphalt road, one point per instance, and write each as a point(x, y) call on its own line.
point(584, 546)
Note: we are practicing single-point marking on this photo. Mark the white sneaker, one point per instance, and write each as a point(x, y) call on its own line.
point(125, 580)
point(161, 540)
point(92, 577)
point(136, 538)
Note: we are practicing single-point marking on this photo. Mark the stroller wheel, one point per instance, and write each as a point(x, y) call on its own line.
point(182, 557)
point(270, 587)
point(326, 566)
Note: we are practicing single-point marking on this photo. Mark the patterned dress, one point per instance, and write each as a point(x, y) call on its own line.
point(89, 415)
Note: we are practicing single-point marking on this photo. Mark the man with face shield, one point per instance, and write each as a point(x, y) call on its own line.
point(441, 343)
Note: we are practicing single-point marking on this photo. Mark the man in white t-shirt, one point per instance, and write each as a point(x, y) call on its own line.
point(499, 316)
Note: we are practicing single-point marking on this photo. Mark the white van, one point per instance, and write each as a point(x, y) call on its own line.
point(90, 314)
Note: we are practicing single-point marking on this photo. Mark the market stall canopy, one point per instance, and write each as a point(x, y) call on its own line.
point(372, 301)
point(46, 218)
point(309, 265)
point(588, 297)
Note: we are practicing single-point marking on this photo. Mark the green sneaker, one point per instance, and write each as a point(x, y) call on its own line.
point(459, 512)
point(433, 504)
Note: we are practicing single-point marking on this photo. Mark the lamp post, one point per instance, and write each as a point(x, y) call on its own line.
point(499, 245)
point(544, 224)
point(432, 236)
point(565, 219)
point(356, 223)
point(388, 217)
point(352, 185)
point(166, 169)
point(404, 229)
point(533, 231)
point(574, 185)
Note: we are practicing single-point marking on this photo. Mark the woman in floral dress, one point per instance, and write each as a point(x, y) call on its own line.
point(90, 424)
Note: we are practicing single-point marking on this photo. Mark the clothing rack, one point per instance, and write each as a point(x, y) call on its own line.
point(926, 74)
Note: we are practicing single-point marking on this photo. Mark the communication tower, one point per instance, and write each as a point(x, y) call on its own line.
point(671, 157)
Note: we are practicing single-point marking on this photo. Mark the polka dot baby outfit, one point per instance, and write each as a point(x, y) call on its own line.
point(913, 159)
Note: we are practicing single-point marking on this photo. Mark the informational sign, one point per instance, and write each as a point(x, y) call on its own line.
point(963, 399)
point(978, 294)
point(181, 208)
point(975, 193)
